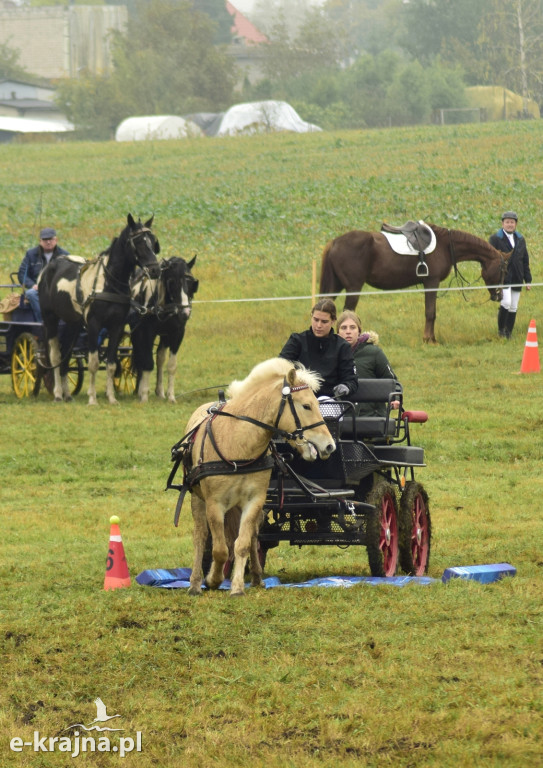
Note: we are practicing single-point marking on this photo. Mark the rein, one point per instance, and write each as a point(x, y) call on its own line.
point(181, 451)
point(460, 277)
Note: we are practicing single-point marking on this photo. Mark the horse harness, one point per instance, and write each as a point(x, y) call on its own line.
point(151, 306)
point(116, 297)
point(182, 450)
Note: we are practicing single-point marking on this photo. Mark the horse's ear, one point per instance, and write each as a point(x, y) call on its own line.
point(291, 377)
point(149, 223)
point(191, 263)
point(130, 220)
point(156, 246)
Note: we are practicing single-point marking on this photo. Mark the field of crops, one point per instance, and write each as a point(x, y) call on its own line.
point(369, 676)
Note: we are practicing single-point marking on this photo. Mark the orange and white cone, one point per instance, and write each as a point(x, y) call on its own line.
point(116, 566)
point(530, 359)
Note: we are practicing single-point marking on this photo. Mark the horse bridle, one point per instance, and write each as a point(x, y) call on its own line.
point(173, 308)
point(286, 397)
point(151, 307)
point(134, 237)
point(458, 274)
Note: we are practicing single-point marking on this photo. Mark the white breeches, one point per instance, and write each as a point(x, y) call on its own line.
point(510, 299)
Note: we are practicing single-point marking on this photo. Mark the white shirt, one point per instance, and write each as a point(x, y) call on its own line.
point(510, 237)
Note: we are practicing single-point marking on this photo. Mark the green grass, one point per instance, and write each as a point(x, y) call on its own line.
point(369, 676)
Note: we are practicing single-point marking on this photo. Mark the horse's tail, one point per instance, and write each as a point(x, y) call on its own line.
point(328, 279)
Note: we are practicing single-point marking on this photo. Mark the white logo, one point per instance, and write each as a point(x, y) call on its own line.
point(101, 717)
point(76, 744)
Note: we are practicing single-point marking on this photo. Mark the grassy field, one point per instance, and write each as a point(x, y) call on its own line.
point(369, 676)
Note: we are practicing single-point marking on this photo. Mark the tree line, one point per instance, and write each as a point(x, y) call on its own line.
point(342, 64)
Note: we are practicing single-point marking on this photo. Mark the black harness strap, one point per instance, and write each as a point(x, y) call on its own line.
point(182, 450)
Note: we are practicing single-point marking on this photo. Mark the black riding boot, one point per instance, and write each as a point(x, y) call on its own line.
point(509, 324)
point(502, 317)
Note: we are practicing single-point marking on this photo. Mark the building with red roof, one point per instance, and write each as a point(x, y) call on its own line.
point(248, 46)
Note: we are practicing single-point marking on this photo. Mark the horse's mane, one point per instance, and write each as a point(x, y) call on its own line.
point(274, 369)
point(109, 248)
point(464, 237)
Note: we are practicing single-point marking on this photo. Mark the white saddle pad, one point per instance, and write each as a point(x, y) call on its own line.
point(400, 244)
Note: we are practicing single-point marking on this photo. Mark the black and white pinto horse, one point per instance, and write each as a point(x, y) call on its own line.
point(164, 306)
point(96, 295)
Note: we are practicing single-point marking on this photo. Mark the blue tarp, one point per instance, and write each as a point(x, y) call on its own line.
point(179, 578)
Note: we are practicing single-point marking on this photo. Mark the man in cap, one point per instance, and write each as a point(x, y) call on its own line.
point(507, 239)
point(34, 261)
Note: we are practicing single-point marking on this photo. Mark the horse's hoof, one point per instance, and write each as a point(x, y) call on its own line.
point(239, 593)
point(195, 591)
point(57, 400)
point(68, 399)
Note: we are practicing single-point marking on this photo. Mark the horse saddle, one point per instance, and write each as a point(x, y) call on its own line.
point(413, 238)
point(76, 259)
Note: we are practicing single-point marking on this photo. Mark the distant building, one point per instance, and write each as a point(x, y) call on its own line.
point(77, 37)
point(248, 46)
point(29, 108)
point(33, 102)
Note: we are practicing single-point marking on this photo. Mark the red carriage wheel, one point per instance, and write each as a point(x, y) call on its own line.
point(382, 536)
point(415, 529)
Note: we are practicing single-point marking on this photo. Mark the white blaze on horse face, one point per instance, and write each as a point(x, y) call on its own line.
point(185, 303)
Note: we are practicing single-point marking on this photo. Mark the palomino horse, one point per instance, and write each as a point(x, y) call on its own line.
point(95, 294)
point(227, 456)
point(359, 257)
point(164, 306)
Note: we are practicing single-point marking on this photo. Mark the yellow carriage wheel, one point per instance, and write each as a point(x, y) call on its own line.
point(24, 366)
point(125, 379)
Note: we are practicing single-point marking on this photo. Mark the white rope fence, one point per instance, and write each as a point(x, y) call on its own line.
point(361, 294)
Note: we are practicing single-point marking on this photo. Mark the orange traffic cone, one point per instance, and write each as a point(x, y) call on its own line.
point(116, 566)
point(530, 359)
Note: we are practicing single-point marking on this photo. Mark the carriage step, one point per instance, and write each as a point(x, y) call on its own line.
point(400, 455)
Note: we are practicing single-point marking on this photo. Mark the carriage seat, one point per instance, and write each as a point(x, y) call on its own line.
point(384, 391)
point(417, 233)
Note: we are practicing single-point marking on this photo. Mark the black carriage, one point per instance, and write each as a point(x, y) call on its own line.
point(22, 354)
point(364, 494)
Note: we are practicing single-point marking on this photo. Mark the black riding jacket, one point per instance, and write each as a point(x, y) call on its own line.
point(330, 356)
point(518, 265)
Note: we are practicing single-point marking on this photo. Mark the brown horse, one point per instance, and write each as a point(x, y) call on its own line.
point(359, 257)
point(275, 398)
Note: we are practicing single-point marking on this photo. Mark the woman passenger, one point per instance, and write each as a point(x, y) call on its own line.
point(370, 360)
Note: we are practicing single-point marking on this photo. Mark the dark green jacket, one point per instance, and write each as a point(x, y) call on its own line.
point(371, 363)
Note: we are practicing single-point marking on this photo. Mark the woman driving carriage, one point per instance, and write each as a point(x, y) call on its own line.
point(323, 351)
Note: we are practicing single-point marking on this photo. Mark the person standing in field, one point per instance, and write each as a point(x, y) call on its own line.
point(518, 272)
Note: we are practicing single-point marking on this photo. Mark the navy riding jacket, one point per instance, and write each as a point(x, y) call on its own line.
point(518, 265)
point(33, 263)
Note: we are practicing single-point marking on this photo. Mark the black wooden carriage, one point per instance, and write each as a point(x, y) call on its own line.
point(22, 354)
point(365, 493)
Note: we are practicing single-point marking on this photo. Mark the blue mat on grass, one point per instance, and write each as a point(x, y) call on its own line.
point(179, 578)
